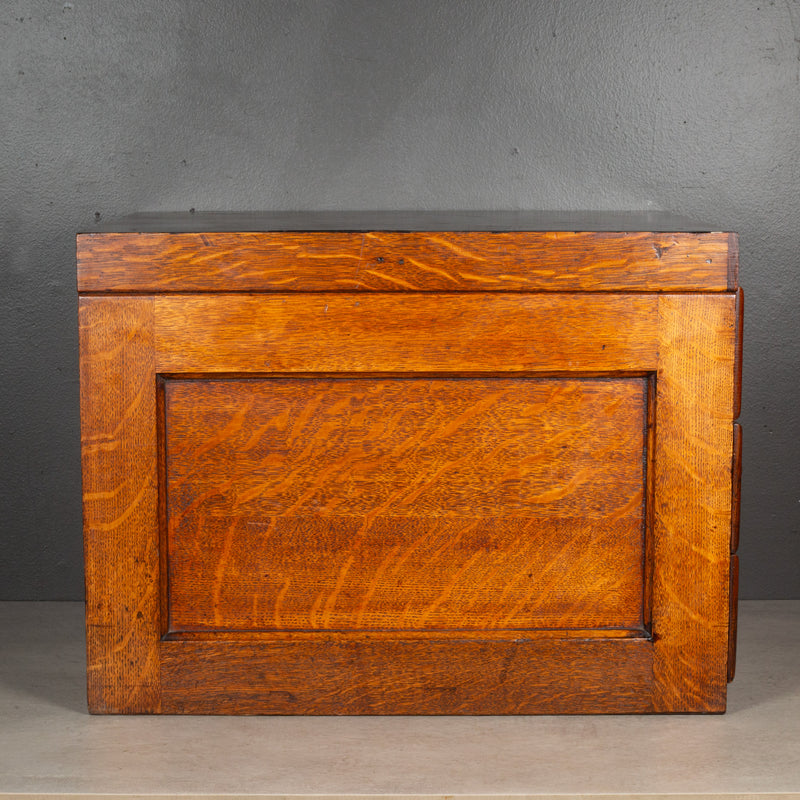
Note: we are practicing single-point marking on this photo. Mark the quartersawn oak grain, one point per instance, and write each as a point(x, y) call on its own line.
point(736, 486)
point(737, 375)
point(692, 501)
point(681, 344)
point(413, 503)
point(423, 333)
point(118, 450)
point(335, 674)
point(733, 618)
point(410, 261)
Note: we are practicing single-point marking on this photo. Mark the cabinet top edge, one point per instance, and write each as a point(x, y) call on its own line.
point(402, 221)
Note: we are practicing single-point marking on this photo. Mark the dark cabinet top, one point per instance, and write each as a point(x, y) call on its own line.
point(364, 221)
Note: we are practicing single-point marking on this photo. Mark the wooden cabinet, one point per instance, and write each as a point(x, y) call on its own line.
point(374, 464)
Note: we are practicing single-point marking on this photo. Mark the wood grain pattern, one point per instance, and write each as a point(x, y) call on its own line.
point(733, 261)
point(411, 261)
point(118, 443)
point(424, 332)
point(330, 503)
point(736, 486)
point(692, 501)
point(733, 618)
point(737, 374)
point(646, 314)
point(334, 674)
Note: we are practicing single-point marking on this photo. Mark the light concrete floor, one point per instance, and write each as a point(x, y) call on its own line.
point(49, 745)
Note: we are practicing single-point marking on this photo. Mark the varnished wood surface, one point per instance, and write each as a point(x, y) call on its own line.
point(414, 503)
point(334, 675)
point(416, 261)
point(736, 486)
point(118, 445)
point(406, 333)
point(371, 220)
point(688, 342)
point(395, 310)
point(733, 261)
point(318, 635)
point(737, 374)
point(733, 620)
point(692, 500)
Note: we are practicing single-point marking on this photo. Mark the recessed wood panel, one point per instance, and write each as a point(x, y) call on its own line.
point(418, 503)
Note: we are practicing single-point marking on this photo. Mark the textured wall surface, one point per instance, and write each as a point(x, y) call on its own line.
point(110, 107)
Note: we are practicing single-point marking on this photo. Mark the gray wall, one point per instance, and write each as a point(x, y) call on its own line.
point(109, 107)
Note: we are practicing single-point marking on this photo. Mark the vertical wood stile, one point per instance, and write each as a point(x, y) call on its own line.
point(693, 501)
point(118, 437)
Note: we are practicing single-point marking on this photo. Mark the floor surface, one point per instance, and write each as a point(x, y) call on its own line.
point(50, 745)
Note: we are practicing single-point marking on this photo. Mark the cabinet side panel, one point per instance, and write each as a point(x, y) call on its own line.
point(693, 501)
point(118, 450)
